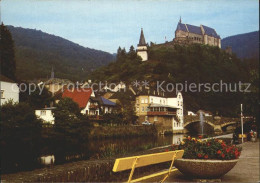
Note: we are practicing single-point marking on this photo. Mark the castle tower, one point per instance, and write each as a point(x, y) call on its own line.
point(142, 47)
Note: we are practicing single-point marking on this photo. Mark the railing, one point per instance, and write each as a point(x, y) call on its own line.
point(92, 106)
point(160, 113)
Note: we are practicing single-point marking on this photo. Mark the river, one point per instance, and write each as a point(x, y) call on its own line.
point(30, 159)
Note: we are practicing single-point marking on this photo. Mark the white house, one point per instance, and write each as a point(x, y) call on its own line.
point(160, 108)
point(205, 113)
point(46, 114)
point(190, 113)
point(9, 90)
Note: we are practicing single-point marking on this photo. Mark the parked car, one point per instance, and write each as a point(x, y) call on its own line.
point(146, 123)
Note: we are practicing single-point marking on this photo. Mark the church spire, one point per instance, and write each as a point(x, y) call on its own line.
point(142, 39)
point(180, 20)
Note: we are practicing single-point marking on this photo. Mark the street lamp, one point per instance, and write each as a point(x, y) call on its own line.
point(242, 126)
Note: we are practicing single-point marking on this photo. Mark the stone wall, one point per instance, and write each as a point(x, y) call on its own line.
point(83, 171)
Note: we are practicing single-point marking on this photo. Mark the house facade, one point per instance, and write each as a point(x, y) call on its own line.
point(46, 114)
point(9, 90)
point(161, 109)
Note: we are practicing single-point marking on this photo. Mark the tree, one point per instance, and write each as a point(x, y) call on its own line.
point(8, 64)
point(70, 125)
point(132, 53)
point(20, 141)
point(38, 98)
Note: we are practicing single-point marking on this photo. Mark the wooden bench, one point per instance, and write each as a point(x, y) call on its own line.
point(133, 162)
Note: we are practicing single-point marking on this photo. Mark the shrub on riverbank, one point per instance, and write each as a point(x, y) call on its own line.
point(122, 131)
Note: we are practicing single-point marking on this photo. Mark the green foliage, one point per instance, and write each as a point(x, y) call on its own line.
point(8, 64)
point(19, 123)
point(70, 126)
point(185, 64)
point(20, 135)
point(37, 99)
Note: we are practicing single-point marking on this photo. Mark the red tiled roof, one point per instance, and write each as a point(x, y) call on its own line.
point(78, 95)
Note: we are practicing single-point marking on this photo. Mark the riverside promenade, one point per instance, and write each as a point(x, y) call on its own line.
point(246, 170)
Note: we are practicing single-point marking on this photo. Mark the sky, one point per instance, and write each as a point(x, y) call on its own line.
point(107, 24)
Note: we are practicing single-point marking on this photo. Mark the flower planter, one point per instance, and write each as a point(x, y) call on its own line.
point(204, 169)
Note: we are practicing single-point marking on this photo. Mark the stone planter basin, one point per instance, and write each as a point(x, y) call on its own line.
point(204, 169)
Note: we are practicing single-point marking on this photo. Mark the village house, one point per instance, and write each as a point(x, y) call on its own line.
point(46, 114)
point(89, 103)
point(190, 113)
point(205, 113)
point(54, 85)
point(9, 90)
point(161, 108)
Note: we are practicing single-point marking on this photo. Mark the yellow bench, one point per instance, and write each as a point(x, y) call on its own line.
point(133, 162)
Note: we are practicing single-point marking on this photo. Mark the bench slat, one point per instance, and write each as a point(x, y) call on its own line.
point(144, 160)
point(155, 175)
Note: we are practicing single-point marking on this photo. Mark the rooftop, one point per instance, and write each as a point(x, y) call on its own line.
point(79, 95)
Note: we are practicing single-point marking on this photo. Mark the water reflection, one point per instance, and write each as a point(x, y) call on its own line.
point(47, 160)
point(59, 153)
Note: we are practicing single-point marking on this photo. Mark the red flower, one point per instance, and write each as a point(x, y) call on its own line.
point(208, 144)
point(189, 137)
point(223, 144)
point(228, 149)
point(166, 150)
point(206, 156)
point(200, 137)
point(223, 155)
point(219, 152)
point(199, 155)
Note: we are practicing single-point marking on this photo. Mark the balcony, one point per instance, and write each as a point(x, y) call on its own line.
point(161, 113)
point(93, 106)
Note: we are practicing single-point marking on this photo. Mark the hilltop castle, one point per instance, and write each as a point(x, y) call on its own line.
point(186, 33)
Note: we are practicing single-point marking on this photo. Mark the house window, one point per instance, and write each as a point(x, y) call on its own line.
point(43, 113)
point(146, 101)
point(142, 101)
point(142, 109)
point(146, 118)
point(155, 118)
point(2, 94)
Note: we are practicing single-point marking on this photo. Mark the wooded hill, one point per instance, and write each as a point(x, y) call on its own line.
point(36, 52)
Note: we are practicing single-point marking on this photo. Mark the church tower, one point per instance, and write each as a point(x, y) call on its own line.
point(142, 47)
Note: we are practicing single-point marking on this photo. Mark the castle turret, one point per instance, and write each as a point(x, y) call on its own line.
point(142, 47)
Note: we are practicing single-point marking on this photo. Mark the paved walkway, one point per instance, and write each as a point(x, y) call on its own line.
point(246, 170)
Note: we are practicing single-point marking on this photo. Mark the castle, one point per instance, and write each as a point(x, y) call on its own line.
point(185, 34)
